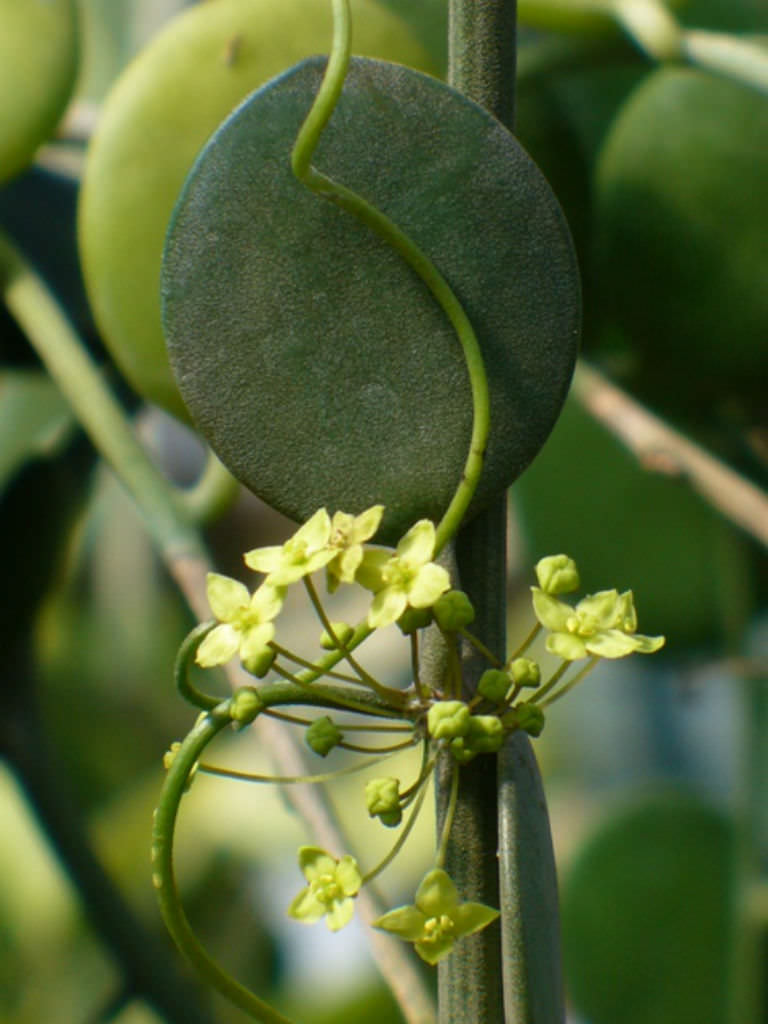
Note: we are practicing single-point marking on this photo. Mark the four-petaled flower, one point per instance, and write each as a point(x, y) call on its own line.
point(332, 886)
point(601, 624)
point(245, 621)
point(346, 539)
point(437, 918)
point(408, 578)
point(303, 553)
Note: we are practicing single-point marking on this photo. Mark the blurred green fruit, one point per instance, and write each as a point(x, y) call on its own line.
point(647, 912)
point(681, 258)
point(38, 66)
point(160, 112)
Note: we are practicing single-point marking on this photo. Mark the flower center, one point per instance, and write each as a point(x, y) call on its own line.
point(436, 928)
point(327, 889)
point(399, 574)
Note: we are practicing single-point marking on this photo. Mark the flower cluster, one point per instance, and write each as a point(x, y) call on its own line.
point(406, 579)
point(410, 589)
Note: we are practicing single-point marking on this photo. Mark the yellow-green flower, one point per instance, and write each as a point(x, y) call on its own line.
point(409, 578)
point(303, 553)
point(437, 918)
point(601, 624)
point(332, 886)
point(245, 621)
point(346, 539)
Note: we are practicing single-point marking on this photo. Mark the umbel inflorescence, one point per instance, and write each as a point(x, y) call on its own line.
point(411, 592)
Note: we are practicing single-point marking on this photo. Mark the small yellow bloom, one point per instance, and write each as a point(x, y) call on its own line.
point(332, 886)
point(246, 625)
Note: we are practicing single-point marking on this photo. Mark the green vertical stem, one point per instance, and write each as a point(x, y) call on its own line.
point(501, 828)
point(482, 54)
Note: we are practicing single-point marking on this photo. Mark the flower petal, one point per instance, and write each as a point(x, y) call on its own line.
point(340, 914)
point(366, 524)
point(418, 545)
point(437, 894)
point(221, 644)
point(566, 645)
point(611, 643)
point(315, 862)
point(436, 949)
point(315, 532)
point(263, 559)
point(255, 640)
point(432, 581)
point(307, 907)
point(348, 875)
point(388, 605)
point(471, 917)
point(226, 596)
point(407, 922)
point(605, 609)
point(267, 602)
point(648, 644)
point(550, 612)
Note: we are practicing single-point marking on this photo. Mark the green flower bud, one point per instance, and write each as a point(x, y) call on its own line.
point(460, 751)
point(493, 685)
point(525, 672)
point(557, 574)
point(528, 717)
point(485, 735)
point(448, 719)
point(343, 633)
point(260, 663)
point(245, 705)
point(414, 619)
point(453, 611)
point(382, 797)
point(323, 735)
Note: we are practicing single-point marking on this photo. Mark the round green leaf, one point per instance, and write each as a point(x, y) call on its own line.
point(647, 915)
point(155, 120)
point(38, 65)
point(311, 357)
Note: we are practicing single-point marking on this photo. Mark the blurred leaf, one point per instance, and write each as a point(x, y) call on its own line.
point(647, 915)
point(35, 420)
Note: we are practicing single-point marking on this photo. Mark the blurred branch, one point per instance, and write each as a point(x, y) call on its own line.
point(183, 551)
point(661, 449)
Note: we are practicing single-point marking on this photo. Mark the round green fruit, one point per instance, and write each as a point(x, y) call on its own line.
point(648, 911)
point(38, 66)
point(681, 239)
point(161, 111)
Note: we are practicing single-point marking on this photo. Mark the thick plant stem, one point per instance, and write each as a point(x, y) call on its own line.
point(470, 981)
point(481, 65)
point(482, 54)
point(481, 981)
